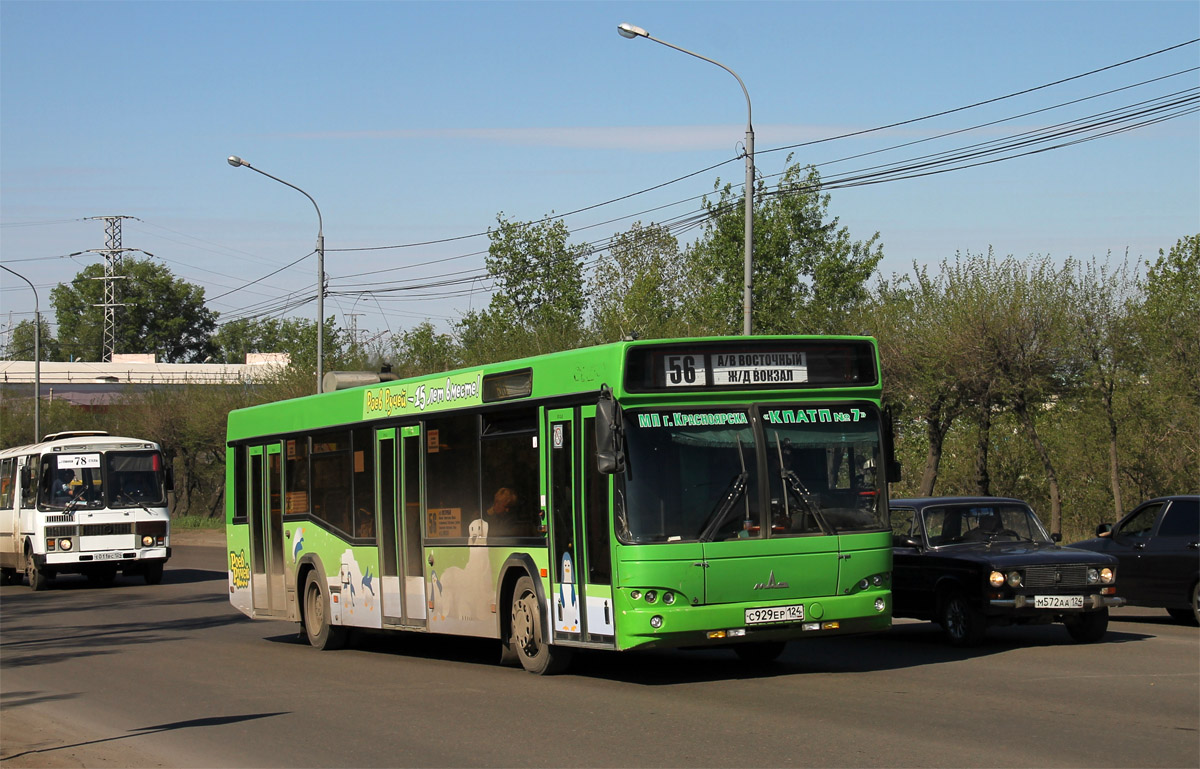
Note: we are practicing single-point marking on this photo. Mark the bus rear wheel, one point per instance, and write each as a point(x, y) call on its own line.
point(321, 634)
point(528, 638)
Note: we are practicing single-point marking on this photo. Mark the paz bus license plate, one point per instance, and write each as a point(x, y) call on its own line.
point(108, 556)
point(1058, 602)
point(794, 613)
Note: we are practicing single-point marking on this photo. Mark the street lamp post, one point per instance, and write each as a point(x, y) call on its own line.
point(237, 162)
point(631, 32)
point(37, 360)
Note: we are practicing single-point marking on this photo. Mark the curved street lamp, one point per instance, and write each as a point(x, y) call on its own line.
point(631, 32)
point(37, 360)
point(237, 162)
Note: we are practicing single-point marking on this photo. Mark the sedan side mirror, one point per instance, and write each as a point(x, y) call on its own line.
point(902, 540)
point(1056, 537)
point(1104, 530)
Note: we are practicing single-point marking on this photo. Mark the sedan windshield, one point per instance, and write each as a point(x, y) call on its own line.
point(972, 523)
point(697, 475)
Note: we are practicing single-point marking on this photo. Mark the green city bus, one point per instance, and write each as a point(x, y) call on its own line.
point(703, 492)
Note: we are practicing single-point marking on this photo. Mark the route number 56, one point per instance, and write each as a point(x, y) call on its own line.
point(681, 370)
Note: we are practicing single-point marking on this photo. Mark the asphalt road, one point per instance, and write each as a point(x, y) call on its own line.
point(172, 676)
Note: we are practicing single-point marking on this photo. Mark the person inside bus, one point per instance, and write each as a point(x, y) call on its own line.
point(61, 491)
point(503, 517)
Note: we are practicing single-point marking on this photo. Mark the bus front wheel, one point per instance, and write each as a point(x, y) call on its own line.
point(528, 638)
point(321, 634)
point(152, 573)
point(38, 577)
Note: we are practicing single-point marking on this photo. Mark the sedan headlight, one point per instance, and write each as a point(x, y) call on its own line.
point(1108, 576)
point(1014, 579)
point(996, 578)
point(1093, 576)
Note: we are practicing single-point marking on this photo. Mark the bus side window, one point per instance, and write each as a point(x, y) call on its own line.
point(452, 475)
point(29, 490)
point(8, 482)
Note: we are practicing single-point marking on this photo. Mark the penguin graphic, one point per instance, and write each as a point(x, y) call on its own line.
point(296, 548)
point(568, 606)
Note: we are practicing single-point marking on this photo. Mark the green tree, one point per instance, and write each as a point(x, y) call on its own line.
point(538, 302)
point(1101, 325)
point(808, 272)
point(295, 336)
point(422, 350)
point(160, 314)
point(638, 289)
point(21, 343)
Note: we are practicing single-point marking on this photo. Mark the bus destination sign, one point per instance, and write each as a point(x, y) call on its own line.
point(735, 368)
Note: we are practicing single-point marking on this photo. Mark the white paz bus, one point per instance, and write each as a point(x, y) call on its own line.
point(83, 502)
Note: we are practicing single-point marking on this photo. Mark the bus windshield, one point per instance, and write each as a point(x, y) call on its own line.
point(135, 479)
point(100, 479)
point(694, 475)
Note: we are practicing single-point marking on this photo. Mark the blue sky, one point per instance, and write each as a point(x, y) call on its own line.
point(411, 122)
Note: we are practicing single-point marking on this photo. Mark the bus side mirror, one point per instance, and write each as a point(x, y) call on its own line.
point(27, 477)
point(889, 447)
point(610, 458)
point(170, 479)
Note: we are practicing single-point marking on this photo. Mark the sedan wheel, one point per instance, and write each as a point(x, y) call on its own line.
point(964, 625)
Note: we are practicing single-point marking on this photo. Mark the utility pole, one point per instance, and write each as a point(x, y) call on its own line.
point(112, 272)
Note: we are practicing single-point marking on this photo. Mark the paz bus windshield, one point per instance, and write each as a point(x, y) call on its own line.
point(700, 474)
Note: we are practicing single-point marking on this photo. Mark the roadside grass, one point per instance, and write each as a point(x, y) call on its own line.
point(196, 522)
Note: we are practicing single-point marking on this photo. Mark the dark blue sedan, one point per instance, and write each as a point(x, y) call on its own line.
point(971, 562)
point(1158, 546)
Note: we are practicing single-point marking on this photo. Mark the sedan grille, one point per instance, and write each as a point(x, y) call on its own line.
point(1066, 576)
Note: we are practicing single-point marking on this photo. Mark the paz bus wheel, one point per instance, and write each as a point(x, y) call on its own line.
point(152, 573)
point(321, 634)
point(528, 639)
point(37, 577)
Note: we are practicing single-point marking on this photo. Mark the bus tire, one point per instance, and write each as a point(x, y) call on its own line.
point(528, 637)
point(321, 634)
point(38, 577)
point(153, 573)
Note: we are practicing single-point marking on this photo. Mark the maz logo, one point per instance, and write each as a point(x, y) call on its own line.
point(771, 584)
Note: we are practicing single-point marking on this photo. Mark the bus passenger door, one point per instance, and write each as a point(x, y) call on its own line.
point(267, 567)
point(412, 565)
point(387, 461)
point(398, 472)
point(580, 551)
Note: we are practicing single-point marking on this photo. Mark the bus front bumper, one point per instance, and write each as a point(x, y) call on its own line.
point(720, 625)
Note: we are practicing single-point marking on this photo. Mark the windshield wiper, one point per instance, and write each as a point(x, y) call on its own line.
point(720, 514)
point(125, 496)
point(791, 480)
